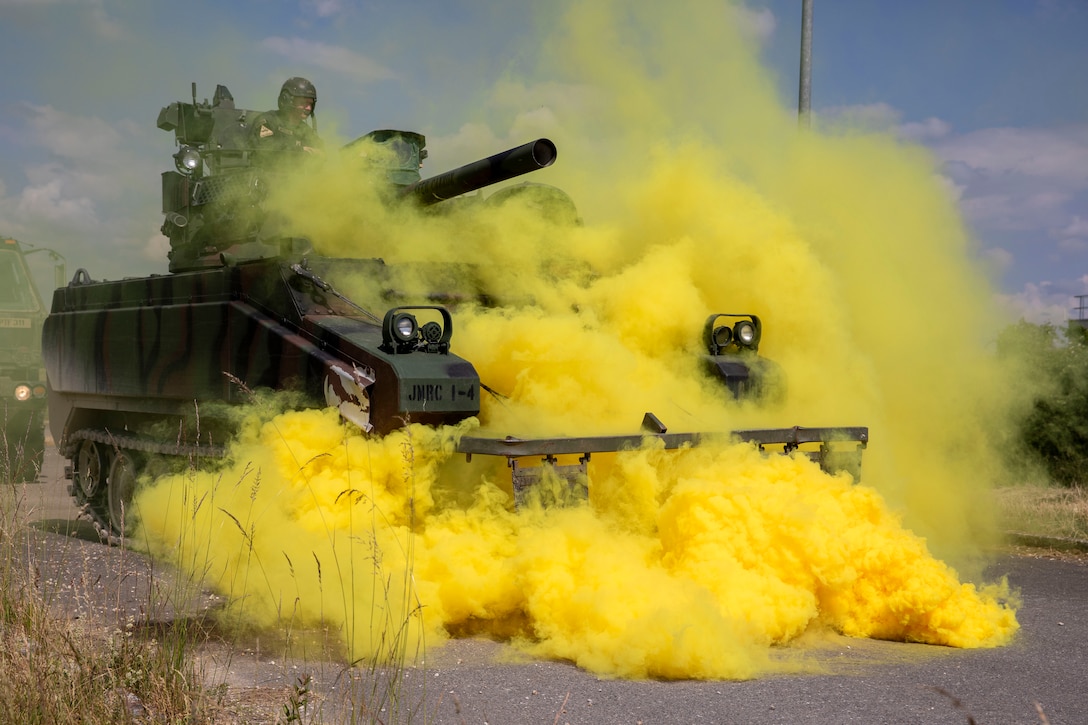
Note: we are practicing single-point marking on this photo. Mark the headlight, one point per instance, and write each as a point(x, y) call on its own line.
point(723, 335)
point(188, 161)
point(745, 333)
point(405, 327)
point(22, 393)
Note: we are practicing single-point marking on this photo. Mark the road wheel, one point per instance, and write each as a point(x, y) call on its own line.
point(121, 484)
point(90, 472)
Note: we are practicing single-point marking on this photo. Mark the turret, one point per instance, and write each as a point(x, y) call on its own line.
point(212, 202)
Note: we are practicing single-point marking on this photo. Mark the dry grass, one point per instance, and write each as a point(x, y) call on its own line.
point(59, 665)
point(1044, 511)
point(60, 668)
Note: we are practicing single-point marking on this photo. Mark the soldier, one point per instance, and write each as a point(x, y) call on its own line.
point(280, 142)
point(283, 134)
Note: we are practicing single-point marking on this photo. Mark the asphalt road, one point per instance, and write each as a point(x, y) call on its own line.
point(1042, 677)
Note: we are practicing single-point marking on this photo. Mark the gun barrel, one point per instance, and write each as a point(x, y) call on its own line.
point(513, 162)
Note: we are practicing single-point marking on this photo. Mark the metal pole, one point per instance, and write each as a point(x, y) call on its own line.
point(804, 95)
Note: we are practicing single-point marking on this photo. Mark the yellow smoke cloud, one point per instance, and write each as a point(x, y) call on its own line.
point(700, 195)
point(687, 564)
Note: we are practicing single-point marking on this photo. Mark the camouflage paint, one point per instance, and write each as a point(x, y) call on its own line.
point(128, 353)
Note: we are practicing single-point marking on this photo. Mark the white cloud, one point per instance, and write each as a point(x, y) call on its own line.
point(881, 118)
point(471, 141)
point(998, 259)
point(329, 57)
point(759, 24)
point(90, 158)
point(1029, 188)
point(155, 247)
point(954, 190)
point(46, 3)
point(871, 117)
point(927, 130)
point(99, 20)
point(80, 184)
point(325, 8)
point(48, 201)
point(1058, 155)
point(564, 97)
point(1038, 303)
point(1015, 207)
point(1024, 192)
point(79, 138)
point(540, 109)
point(1078, 227)
point(1072, 245)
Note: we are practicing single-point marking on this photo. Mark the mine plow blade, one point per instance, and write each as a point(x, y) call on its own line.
point(835, 449)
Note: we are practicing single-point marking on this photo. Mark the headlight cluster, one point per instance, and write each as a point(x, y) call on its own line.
point(401, 331)
point(188, 161)
point(25, 391)
point(743, 334)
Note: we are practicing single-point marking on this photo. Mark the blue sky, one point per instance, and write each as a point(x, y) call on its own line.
point(995, 89)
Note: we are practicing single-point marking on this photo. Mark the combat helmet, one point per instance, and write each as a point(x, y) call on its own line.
point(296, 88)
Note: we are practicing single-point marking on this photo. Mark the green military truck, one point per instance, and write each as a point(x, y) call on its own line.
point(22, 376)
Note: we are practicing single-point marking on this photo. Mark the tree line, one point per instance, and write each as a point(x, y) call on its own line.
point(1052, 427)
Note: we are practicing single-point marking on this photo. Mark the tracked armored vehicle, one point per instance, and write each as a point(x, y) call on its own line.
point(145, 368)
point(22, 377)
